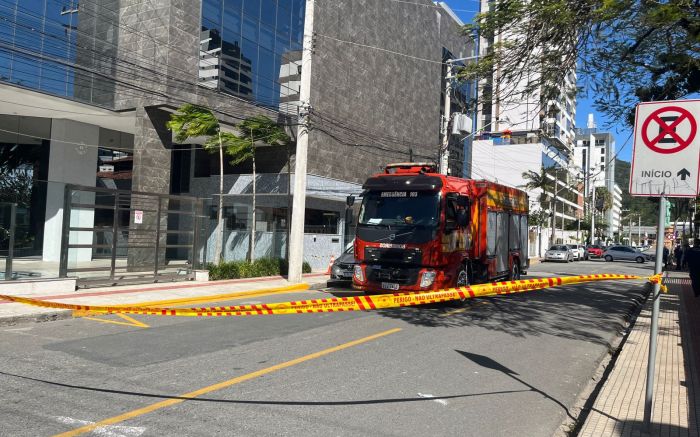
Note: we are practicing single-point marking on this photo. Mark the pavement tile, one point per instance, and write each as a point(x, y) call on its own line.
point(619, 408)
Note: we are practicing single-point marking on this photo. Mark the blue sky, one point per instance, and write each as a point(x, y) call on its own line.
point(466, 9)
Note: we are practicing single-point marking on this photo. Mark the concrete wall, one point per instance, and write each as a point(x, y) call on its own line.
point(73, 163)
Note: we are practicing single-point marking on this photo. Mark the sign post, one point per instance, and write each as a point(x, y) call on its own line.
point(665, 163)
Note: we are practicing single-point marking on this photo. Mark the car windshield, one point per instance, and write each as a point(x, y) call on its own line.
point(390, 208)
point(559, 248)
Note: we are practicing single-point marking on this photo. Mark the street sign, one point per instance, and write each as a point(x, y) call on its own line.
point(666, 156)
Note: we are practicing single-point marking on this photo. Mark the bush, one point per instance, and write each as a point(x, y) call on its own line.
point(245, 269)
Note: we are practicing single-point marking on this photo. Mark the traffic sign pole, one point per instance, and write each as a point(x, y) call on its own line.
point(656, 295)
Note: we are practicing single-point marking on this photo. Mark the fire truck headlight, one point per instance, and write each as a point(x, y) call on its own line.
point(359, 274)
point(427, 279)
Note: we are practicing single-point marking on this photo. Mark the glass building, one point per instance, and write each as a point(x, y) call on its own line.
point(245, 44)
point(38, 44)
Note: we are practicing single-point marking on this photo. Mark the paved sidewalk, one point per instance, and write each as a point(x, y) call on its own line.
point(11, 312)
point(619, 408)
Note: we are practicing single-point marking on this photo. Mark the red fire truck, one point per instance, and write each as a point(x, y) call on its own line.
point(420, 230)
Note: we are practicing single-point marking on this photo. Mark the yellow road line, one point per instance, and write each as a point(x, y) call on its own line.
point(220, 297)
point(201, 299)
point(222, 385)
point(133, 321)
point(460, 310)
point(137, 324)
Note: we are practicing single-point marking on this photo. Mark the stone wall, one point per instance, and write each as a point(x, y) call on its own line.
point(360, 95)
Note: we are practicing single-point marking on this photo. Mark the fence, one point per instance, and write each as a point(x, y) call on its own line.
point(117, 236)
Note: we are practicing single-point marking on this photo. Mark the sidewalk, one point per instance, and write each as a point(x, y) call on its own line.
point(618, 409)
point(11, 312)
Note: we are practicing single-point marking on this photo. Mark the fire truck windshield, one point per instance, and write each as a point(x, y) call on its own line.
point(399, 208)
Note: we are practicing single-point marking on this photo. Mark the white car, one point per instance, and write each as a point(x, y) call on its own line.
point(582, 252)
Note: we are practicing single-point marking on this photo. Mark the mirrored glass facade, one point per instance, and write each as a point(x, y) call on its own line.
point(38, 44)
point(252, 48)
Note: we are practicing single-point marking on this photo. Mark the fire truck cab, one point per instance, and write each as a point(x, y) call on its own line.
point(420, 230)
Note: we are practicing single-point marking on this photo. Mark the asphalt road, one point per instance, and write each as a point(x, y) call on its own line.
point(505, 366)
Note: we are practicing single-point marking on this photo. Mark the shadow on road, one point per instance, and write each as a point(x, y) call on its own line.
point(484, 361)
point(254, 402)
point(581, 312)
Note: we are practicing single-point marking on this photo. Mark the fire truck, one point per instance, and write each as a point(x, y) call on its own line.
point(419, 230)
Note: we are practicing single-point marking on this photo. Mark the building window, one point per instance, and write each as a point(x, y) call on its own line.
point(243, 54)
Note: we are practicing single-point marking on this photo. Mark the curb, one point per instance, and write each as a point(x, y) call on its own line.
point(36, 318)
point(67, 314)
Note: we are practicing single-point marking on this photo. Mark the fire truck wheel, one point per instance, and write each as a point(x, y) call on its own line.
point(515, 272)
point(462, 276)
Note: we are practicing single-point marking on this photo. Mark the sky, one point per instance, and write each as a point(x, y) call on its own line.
point(466, 9)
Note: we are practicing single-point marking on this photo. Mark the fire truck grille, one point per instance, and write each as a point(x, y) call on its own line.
point(403, 276)
point(393, 256)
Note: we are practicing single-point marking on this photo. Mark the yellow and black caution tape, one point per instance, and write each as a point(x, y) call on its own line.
point(339, 304)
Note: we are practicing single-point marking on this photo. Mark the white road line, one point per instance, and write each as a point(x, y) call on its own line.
point(107, 430)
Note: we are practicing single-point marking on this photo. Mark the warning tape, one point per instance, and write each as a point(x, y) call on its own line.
point(340, 304)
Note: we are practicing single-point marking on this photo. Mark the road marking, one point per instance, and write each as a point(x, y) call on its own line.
point(107, 431)
point(237, 380)
point(461, 310)
point(429, 396)
point(132, 323)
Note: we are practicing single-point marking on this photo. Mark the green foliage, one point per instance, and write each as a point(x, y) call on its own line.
point(624, 51)
point(603, 199)
point(255, 269)
point(539, 217)
point(252, 130)
point(195, 121)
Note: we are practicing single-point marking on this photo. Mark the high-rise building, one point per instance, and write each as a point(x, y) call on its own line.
point(87, 90)
point(595, 155)
point(522, 134)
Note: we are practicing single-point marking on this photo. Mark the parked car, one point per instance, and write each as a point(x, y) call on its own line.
point(343, 267)
point(594, 251)
point(559, 252)
point(575, 252)
point(624, 253)
point(583, 253)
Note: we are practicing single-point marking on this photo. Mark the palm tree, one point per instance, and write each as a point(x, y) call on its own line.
point(242, 148)
point(197, 121)
point(540, 181)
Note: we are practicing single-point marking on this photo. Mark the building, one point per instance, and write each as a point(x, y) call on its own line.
point(595, 155)
point(525, 110)
point(525, 134)
point(87, 90)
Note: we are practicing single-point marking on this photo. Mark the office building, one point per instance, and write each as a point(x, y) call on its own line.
point(87, 89)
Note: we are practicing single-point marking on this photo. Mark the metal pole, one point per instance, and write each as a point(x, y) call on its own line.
point(11, 242)
point(445, 148)
point(296, 243)
point(639, 230)
point(648, 400)
point(591, 187)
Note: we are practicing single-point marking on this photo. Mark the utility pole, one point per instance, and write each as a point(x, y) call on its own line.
point(630, 219)
point(552, 237)
point(639, 230)
point(591, 186)
point(445, 147)
point(296, 241)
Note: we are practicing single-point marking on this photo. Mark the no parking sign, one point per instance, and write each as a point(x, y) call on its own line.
point(666, 157)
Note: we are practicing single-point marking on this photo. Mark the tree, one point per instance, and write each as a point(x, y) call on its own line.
point(625, 51)
point(603, 199)
point(197, 121)
point(242, 148)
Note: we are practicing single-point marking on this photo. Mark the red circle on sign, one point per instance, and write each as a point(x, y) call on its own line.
point(669, 129)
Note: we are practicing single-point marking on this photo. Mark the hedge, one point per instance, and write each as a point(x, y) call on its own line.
point(246, 269)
